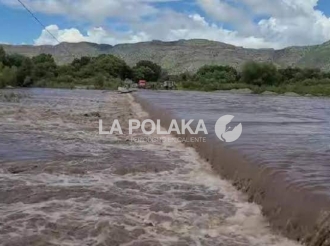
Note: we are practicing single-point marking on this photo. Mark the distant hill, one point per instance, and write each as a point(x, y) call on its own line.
point(317, 57)
point(185, 55)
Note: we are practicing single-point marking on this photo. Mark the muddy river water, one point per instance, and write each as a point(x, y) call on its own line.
point(61, 183)
point(282, 159)
point(292, 134)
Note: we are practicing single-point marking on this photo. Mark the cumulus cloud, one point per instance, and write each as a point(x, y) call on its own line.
point(282, 22)
point(94, 35)
point(66, 35)
point(253, 23)
point(223, 11)
point(170, 26)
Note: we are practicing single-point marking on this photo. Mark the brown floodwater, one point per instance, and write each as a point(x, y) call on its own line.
point(282, 159)
point(291, 134)
point(61, 183)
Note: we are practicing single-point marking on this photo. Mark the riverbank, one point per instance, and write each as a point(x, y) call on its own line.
point(106, 71)
point(64, 184)
point(259, 78)
point(317, 90)
point(290, 89)
point(287, 90)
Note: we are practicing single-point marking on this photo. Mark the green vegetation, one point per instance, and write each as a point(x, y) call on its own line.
point(109, 72)
point(102, 72)
point(258, 77)
point(147, 70)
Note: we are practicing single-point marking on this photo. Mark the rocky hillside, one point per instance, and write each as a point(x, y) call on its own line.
point(185, 55)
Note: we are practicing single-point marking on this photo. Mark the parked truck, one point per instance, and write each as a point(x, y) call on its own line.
point(142, 84)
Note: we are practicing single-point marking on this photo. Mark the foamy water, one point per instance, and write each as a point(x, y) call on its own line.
point(63, 184)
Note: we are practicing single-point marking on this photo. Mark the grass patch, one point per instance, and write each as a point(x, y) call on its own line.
point(301, 89)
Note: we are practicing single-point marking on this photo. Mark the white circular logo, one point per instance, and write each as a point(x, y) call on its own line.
point(227, 133)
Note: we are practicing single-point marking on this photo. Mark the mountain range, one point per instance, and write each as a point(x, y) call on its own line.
point(185, 55)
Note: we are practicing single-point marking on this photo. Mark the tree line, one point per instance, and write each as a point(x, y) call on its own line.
point(108, 71)
point(213, 77)
point(103, 71)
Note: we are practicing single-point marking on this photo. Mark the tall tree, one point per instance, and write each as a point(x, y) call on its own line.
point(155, 68)
point(43, 66)
point(24, 73)
point(260, 74)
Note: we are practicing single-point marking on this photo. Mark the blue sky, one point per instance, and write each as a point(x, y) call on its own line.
point(324, 5)
point(272, 23)
point(24, 29)
point(18, 27)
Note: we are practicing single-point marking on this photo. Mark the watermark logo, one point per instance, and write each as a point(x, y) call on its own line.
point(225, 131)
point(150, 127)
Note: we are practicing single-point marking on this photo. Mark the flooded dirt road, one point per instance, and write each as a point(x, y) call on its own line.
point(61, 183)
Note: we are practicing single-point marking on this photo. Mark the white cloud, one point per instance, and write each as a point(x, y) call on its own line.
point(170, 26)
point(94, 35)
point(93, 10)
point(66, 35)
point(280, 23)
point(287, 22)
point(297, 30)
point(222, 10)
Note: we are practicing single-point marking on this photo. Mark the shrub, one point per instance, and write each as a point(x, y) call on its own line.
point(217, 74)
point(260, 74)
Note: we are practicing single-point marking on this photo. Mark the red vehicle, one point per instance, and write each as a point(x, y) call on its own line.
point(142, 84)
